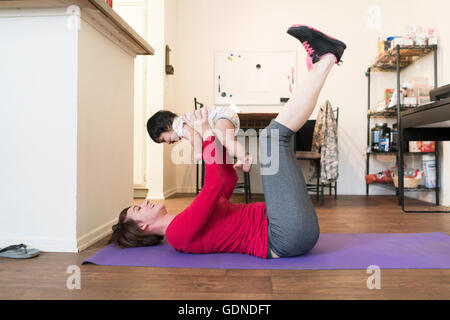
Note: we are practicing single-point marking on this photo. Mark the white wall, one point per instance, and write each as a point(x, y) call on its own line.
point(170, 89)
point(156, 21)
point(38, 185)
point(206, 26)
point(105, 134)
point(66, 121)
point(136, 15)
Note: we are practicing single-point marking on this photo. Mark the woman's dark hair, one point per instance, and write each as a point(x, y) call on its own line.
point(158, 123)
point(127, 234)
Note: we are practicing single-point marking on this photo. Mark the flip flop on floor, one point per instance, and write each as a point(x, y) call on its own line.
point(18, 251)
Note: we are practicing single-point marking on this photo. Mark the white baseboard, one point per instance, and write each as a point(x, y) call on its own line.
point(42, 244)
point(161, 195)
point(170, 192)
point(63, 245)
point(140, 193)
point(95, 235)
point(186, 190)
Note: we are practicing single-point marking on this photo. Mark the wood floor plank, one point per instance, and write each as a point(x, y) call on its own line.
point(45, 277)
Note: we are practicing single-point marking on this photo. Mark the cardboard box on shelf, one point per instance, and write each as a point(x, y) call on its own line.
point(422, 146)
point(415, 146)
point(428, 146)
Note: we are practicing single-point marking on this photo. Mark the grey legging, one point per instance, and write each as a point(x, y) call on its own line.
point(292, 226)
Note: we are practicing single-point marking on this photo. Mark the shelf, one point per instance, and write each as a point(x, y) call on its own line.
point(395, 152)
point(391, 112)
point(391, 186)
point(403, 107)
point(419, 188)
point(408, 55)
point(388, 62)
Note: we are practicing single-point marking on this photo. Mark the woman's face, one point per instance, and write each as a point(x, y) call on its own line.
point(146, 213)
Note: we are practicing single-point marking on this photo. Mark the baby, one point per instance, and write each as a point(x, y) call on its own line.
point(166, 127)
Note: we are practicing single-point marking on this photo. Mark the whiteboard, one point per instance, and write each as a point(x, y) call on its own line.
point(254, 78)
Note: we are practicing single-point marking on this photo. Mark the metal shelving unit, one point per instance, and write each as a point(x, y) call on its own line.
point(394, 60)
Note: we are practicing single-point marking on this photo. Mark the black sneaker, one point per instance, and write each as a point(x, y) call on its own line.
point(317, 43)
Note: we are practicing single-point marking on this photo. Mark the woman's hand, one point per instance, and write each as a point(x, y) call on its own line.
point(198, 120)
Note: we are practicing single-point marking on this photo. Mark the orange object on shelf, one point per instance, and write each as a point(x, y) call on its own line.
point(371, 178)
point(388, 95)
point(428, 146)
point(380, 177)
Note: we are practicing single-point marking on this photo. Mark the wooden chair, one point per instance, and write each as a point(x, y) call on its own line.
point(240, 186)
point(303, 144)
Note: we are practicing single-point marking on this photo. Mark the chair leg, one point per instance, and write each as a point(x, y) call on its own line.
point(203, 174)
point(318, 176)
point(196, 179)
point(335, 190)
point(249, 187)
point(246, 187)
point(321, 195)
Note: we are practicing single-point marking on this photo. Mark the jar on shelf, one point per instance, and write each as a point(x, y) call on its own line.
point(385, 138)
point(381, 137)
point(375, 134)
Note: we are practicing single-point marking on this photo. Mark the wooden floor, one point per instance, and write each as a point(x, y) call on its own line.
point(45, 277)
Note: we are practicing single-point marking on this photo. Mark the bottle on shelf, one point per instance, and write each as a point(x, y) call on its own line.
point(381, 138)
point(375, 138)
point(385, 138)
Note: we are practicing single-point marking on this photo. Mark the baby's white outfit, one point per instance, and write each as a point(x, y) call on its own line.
point(214, 114)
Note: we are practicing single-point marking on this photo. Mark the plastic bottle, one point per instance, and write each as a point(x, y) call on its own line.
point(380, 46)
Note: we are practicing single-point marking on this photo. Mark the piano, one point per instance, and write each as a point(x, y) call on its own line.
point(431, 121)
point(427, 122)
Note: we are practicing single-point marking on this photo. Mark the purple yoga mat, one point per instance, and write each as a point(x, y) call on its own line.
point(333, 251)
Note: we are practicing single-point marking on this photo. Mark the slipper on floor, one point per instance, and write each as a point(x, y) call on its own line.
point(18, 251)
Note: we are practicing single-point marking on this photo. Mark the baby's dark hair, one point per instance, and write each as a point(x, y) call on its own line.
point(158, 123)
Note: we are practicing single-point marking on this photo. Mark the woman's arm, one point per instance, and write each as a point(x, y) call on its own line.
point(244, 160)
point(230, 179)
point(189, 223)
point(225, 132)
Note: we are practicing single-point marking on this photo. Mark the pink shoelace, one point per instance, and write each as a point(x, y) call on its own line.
point(309, 51)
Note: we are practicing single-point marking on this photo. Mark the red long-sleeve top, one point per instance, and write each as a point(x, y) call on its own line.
point(212, 224)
